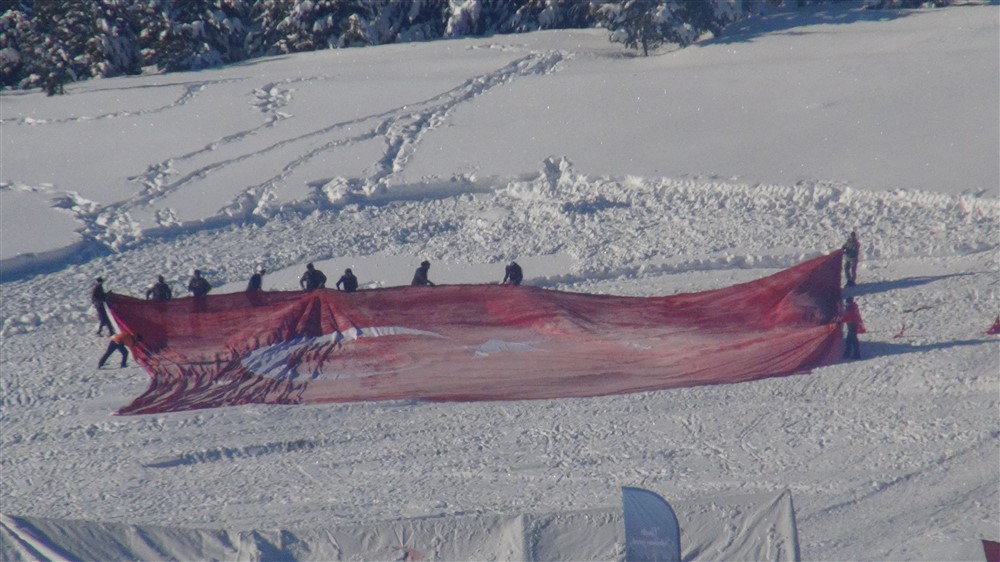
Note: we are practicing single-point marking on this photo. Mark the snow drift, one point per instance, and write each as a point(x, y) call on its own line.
point(475, 342)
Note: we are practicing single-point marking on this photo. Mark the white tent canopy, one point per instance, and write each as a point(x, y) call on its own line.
point(753, 527)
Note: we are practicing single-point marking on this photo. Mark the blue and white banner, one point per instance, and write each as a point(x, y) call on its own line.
point(651, 530)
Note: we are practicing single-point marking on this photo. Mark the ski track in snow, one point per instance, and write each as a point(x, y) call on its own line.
point(189, 91)
point(400, 130)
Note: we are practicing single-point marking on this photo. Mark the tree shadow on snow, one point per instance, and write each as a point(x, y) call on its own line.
point(795, 22)
point(871, 350)
point(896, 284)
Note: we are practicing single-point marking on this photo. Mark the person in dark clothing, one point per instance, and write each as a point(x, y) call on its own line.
point(851, 317)
point(312, 279)
point(159, 291)
point(852, 250)
point(420, 275)
point(257, 280)
point(98, 296)
point(198, 285)
point(513, 274)
point(348, 280)
point(120, 342)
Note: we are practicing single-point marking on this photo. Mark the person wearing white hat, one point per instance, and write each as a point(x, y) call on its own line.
point(257, 280)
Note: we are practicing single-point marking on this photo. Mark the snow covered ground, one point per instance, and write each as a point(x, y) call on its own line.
point(600, 172)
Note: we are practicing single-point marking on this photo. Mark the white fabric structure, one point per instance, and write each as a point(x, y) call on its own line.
point(755, 527)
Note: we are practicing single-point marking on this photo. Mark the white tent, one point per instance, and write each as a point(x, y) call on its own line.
point(754, 527)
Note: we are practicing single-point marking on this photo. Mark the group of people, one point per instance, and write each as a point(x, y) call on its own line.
point(311, 280)
point(314, 279)
point(161, 291)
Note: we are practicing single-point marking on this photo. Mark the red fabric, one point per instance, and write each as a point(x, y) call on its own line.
point(475, 342)
point(995, 328)
point(124, 338)
point(853, 316)
point(991, 551)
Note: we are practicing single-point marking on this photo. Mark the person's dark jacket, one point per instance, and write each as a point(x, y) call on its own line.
point(312, 279)
point(199, 286)
point(349, 282)
point(98, 295)
point(513, 273)
point(256, 283)
point(159, 291)
point(420, 276)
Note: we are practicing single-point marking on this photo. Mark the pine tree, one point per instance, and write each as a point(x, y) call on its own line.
point(263, 38)
point(15, 51)
point(554, 14)
point(308, 25)
point(197, 34)
point(113, 49)
point(635, 23)
point(64, 27)
point(50, 42)
point(481, 17)
point(416, 20)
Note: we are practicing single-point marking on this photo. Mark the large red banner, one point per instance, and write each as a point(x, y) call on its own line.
point(475, 342)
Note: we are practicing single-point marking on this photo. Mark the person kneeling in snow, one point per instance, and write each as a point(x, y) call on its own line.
point(851, 317)
point(120, 342)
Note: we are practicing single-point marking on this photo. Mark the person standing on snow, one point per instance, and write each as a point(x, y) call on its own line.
point(312, 279)
point(512, 273)
point(257, 280)
point(198, 285)
point(851, 317)
point(159, 291)
point(98, 296)
point(420, 275)
point(120, 342)
point(852, 250)
point(348, 281)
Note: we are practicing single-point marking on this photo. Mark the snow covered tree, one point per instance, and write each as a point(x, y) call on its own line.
point(113, 49)
point(634, 23)
point(416, 20)
point(64, 27)
point(152, 22)
point(479, 17)
point(15, 51)
point(50, 42)
point(263, 37)
point(554, 14)
point(647, 24)
point(53, 43)
point(198, 34)
point(289, 26)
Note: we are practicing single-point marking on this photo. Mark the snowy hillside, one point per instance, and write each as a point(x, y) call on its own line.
point(600, 172)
